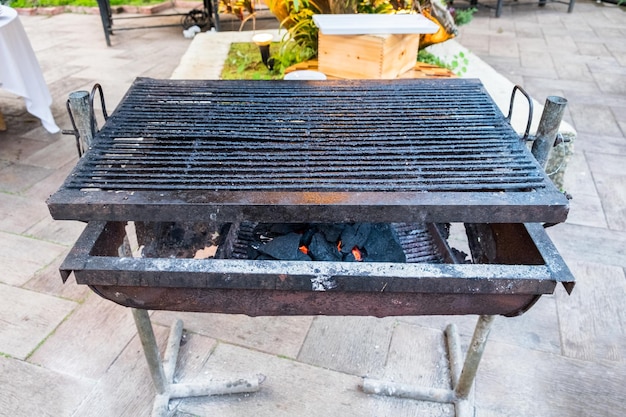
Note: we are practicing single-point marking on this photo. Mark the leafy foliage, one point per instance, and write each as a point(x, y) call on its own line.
point(428, 58)
point(462, 16)
point(375, 7)
point(244, 63)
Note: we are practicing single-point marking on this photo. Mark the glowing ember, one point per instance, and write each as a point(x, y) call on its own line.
point(304, 249)
point(357, 254)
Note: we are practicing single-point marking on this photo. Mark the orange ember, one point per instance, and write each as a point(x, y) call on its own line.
point(357, 254)
point(304, 249)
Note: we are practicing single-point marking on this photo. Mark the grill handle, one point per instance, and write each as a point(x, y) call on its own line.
point(82, 116)
point(530, 109)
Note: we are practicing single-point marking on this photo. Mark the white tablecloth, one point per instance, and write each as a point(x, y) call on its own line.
point(20, 72)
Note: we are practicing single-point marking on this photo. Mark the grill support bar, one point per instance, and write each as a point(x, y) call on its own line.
point(548, 128)
point(462, 379)
point(163, 372)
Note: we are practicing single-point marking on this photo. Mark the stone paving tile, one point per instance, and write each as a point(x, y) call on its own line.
point(537, 329)
point(48, 281)
point(15, 148)
point(58, 231)
point(620, 114)
point(279, 335)
point(530, 44)
point(27, 319)
point(89, 341)
point(590, 244)
point(292, 389)
point(586, 205)
point(53, 156)
point(529, 30)
point(18, 177)
point(585, 47)
point(600, 289)
point(21, 257)
point(610, 82)
point(354, 345)
point(615, 145)
point(572, 67)
point(541, 384)
point(502, 47)
point(594, 119)
point(477, 43)
point(40, 191)
point(54, 397)
point(18, 214)
point(611, 186)
point(126, 389)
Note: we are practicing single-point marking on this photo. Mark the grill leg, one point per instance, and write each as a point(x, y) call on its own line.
point(462, 373)
point(163, 372)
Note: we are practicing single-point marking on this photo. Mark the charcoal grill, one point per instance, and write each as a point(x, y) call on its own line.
point(406, 152)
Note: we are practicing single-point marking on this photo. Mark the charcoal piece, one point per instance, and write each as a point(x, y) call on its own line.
point(307, 236)
point(285, 248)
point(332, 232)
point(349, 257)
point(279, 229)
point(322, 250)
point(383, 245)
point(354, 236)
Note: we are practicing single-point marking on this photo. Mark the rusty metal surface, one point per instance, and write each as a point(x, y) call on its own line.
point(331, 303)
point(340, 288)
point(347, 151)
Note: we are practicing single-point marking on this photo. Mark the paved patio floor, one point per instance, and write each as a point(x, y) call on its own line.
point(66, 352)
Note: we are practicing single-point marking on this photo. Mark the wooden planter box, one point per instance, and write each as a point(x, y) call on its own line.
point(369, 46)
point(367, 56)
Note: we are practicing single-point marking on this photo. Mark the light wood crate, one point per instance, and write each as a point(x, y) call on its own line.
point(367, 56)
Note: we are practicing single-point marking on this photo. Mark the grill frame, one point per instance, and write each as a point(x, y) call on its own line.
point(403, 197)
point(287, 287)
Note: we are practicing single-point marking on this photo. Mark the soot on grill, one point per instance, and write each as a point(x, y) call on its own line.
point(348, 242)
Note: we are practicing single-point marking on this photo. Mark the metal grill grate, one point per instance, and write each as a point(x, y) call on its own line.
point(245, 145)
point(400, 136)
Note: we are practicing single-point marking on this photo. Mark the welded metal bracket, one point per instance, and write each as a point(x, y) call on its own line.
point(462, 376)
point(163, 371)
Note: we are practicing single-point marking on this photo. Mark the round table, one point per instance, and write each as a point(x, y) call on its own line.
point(20, 72)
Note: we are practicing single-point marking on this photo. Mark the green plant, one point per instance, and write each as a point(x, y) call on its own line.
point(428, 58)
point(244, 63)
point(459, 62)
point(300, 25)
point(375, 7)
point(463, 16)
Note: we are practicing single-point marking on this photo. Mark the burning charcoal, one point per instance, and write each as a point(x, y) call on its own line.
point(383, 245)
point(354, 235)
point(307, 236)
point(321, 249)
point(285, 248)
point(353, 256)
point(331, 232)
